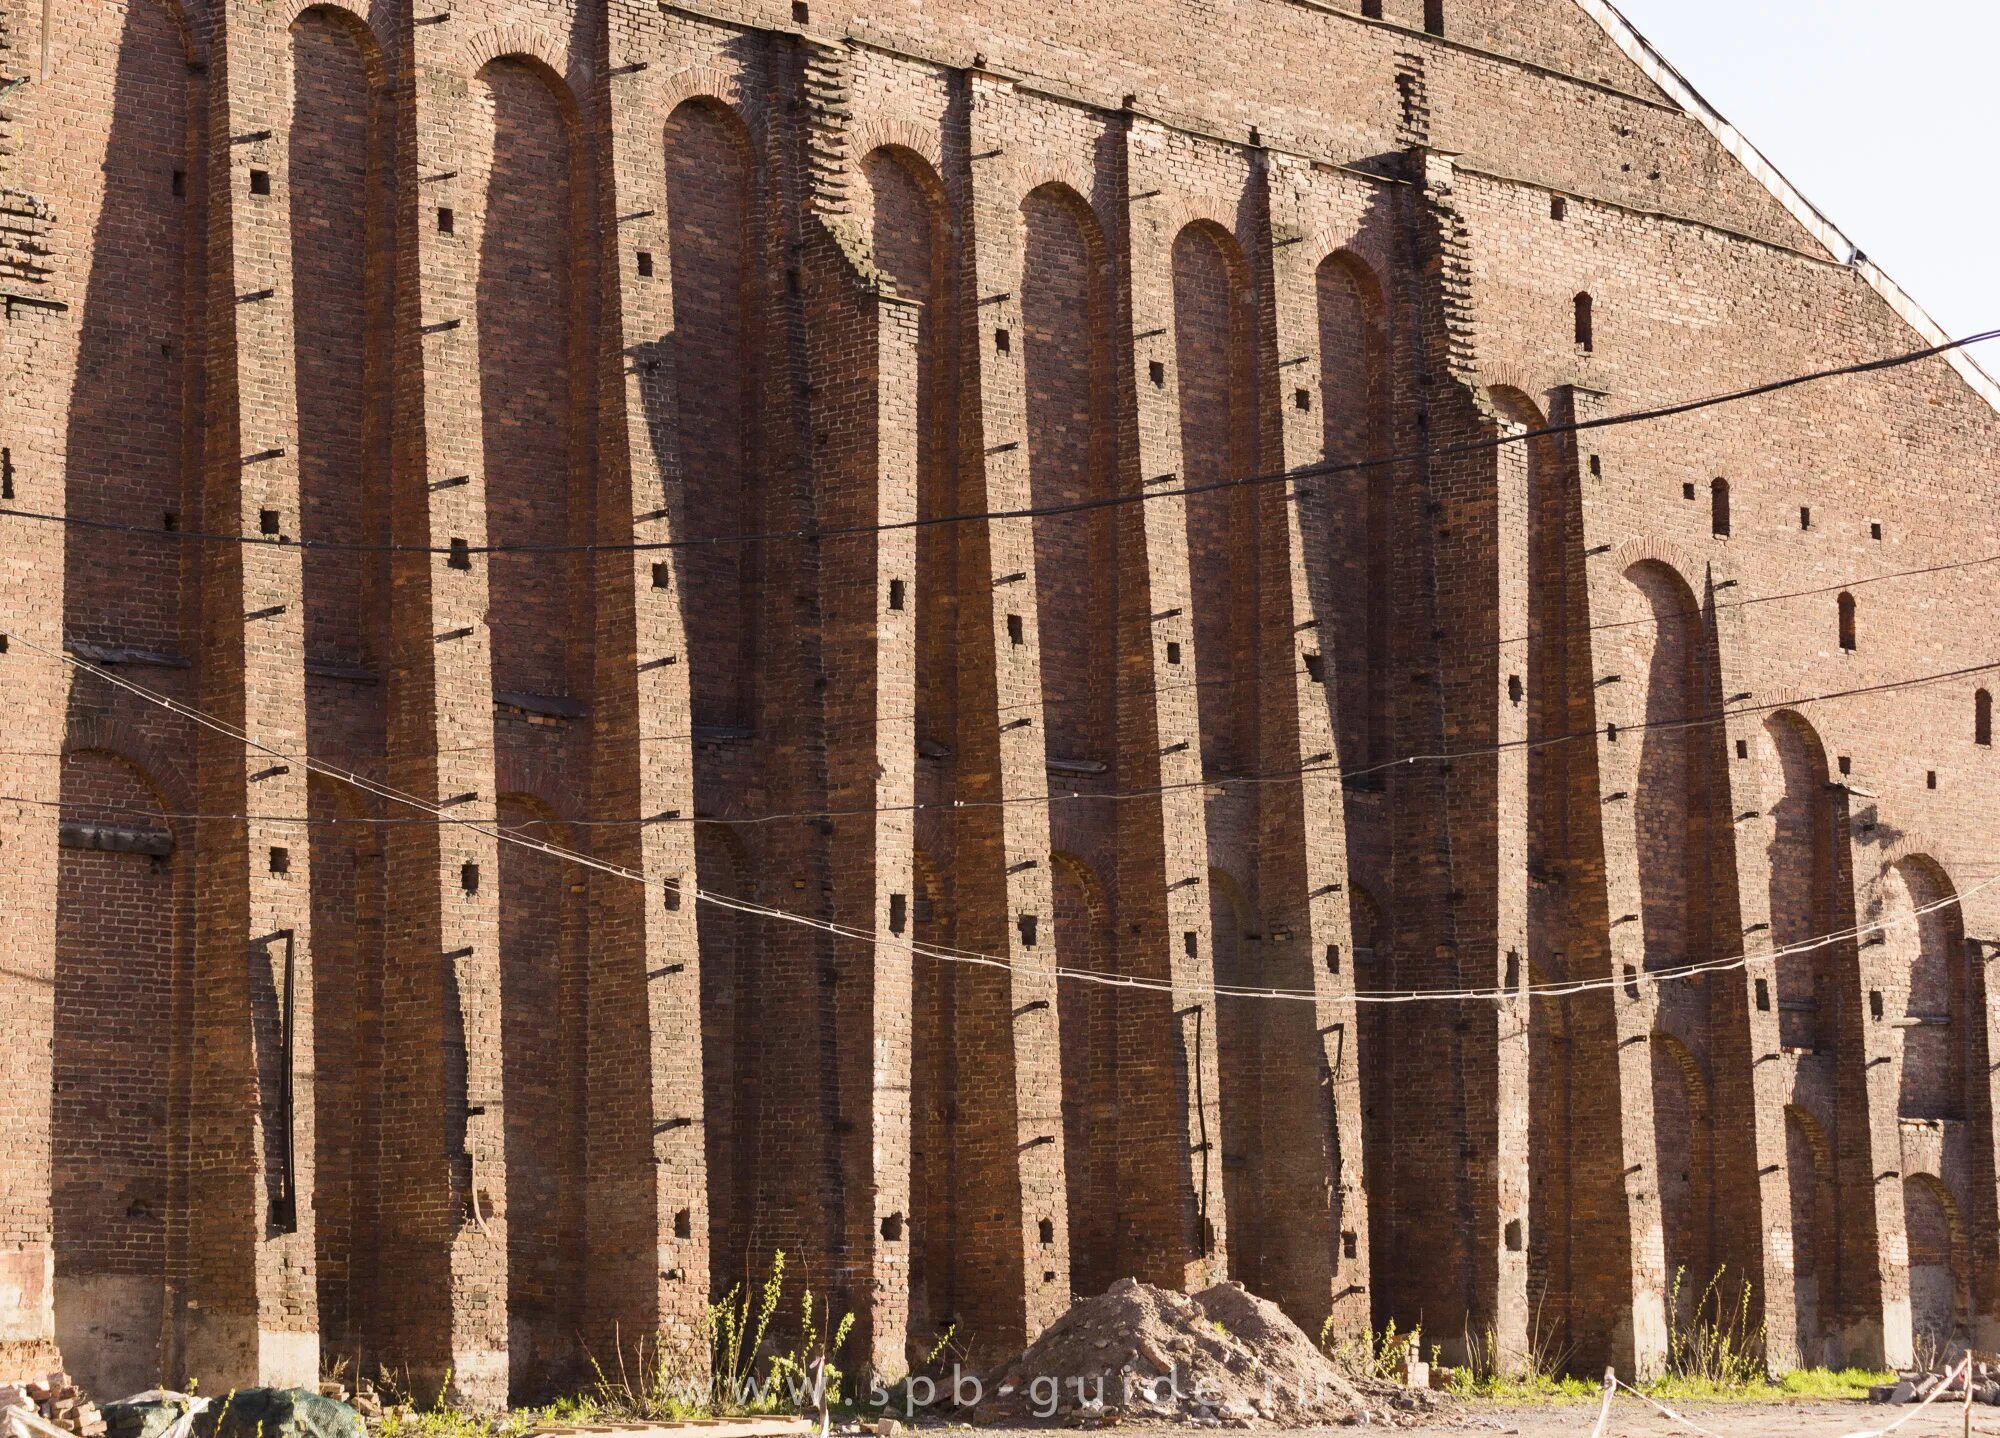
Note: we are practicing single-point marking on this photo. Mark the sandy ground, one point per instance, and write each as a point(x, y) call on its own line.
point(1629, 1419)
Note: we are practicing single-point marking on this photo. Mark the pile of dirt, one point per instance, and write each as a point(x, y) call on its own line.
point(1222, 1358)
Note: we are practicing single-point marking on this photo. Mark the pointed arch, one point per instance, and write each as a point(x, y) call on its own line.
point(1351, 596)
point(1066, 317)
point(1215, 319)
point(715, 235)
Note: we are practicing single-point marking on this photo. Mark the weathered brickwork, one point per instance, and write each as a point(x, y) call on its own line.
point(600, 391)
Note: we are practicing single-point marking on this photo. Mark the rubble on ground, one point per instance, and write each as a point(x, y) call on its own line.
point(1221, 1358)
point(55, 1398)
point(1945, 1381)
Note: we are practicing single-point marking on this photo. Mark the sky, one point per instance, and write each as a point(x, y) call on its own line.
point(1885, 116)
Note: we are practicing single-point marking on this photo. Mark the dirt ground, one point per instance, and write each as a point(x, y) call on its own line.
point(1630, 1419)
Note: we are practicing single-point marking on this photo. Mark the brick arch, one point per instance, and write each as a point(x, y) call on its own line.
point(1513, 399)
point(349, 18)
point(1180, 212)
point(1072, 179)
point(1930, 850)
point(526, 43)
point(1958, 1265)
point(526, 775)
point(1684, 562)
point(1215, 324)
point(721, 87)
point(165, 776)
point(896, 134)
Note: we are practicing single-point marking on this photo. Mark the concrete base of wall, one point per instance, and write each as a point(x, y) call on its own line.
point(108, 1327)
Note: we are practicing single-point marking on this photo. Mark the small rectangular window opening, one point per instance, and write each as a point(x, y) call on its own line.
point(1687, 490)
point(1743, 748)
point(1763, 996)
point(1846, 766)
point(1333, 958)
point(1875, 530)
point(1003, 342)
point(1558, 207)
point(180, 184)
point(1371, 9)
point(260, 182)
point(1930, 779)
point(447, 220)
point(1025, 924)
point(1513, 1235)
point(662, 575)
point(1586, 322)
point(1017, 633)
point(895, 594)
point(1875, 1004)
point(1316, 668)
point(1513, 980)
point(468, 877)
point(673, 894)
point(170, 521)
point(281, 861)
point(1596, 467)
point(1302, 400)
point(899, 913)
point(1173, 651)
point(6, 474)
point(645, 264)
point(801, 13)
point(1190, 944)
point(1156, 371)
point(1434, 17)
point(267, 521)
point(1805, 516)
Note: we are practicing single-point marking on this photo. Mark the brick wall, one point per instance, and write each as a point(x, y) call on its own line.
point(532, 274)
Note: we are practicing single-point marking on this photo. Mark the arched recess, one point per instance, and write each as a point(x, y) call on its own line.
point(1352, 600)
point(348, 908)
point(535, 299)
point(714, 228)
point(1373, 971)
point(732, 1051)
point(1066, 318)
point(910, 240)
point(1244, 1074)
point(339, 161)
point(1683, 1153)
point(1816, 1271)
point(1802, 882)
point(133, 444)
point(1088, 1016)
point(1923, 930)
point(1668, 805)
point(122, 980)
point(1215, 319)
point(1551, 1193)
point(542, 996)
point(934, 1081)
point(1940, 1266)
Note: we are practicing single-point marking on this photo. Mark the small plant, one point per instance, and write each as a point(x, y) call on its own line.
point(1377, 1357)
point(1715, 1347)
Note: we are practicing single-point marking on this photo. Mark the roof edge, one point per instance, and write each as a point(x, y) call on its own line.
point(1661, 72)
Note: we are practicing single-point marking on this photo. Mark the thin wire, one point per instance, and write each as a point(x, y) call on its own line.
point(1320, 469)
point(973, 957)
point(1705, 719)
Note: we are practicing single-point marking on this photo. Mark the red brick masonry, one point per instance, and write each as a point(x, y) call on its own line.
point(404, 275)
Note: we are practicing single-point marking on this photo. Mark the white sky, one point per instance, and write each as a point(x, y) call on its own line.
point(1885, 115)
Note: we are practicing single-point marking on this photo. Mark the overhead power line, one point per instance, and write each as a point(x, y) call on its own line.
point(950, 955)
point(1144, 495)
